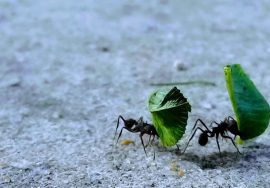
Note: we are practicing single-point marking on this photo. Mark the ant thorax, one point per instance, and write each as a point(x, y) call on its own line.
point(223, 125)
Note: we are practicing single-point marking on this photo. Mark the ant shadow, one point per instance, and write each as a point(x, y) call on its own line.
point(212, 161)
point(250, 154)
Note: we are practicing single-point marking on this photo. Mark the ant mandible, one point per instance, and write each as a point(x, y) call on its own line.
point(228, 124)
point(137, 127)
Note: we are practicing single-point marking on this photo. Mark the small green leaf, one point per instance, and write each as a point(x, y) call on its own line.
point(169, 109)
point(251, 109)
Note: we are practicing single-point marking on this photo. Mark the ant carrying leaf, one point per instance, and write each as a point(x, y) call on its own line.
point(169, 109)
point(251, 109)
point(139, 126)
point(222, 129)
point(169, 114)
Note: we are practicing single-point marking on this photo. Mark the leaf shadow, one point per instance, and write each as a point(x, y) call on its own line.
point(255, 151)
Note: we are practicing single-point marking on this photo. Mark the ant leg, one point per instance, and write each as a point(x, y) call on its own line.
point(218, 144)
point(154, 157)
point(151, 143)
point(152, 140)
point(198, 128)
point(120, 134)
point(141, 135)
point(130, 130)
point(214, 122)
point(199, 120)
point(118, 121)
point(140, 120)
point(224, 136)
point(230, 117)
point(148, 141)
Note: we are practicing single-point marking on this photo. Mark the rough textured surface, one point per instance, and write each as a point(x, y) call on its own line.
point(69, 68)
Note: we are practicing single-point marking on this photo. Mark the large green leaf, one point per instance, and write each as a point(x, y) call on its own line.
point(251, 109)
point(169, 109)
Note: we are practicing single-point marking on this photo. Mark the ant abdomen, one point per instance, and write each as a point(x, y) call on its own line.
point(203, 139)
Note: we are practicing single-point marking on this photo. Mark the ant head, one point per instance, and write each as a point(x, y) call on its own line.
point(203, 139)
point(233, 127)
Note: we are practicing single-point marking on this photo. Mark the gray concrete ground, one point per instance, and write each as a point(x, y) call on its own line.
point(68, 69)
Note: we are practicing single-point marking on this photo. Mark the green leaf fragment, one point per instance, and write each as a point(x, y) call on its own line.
point(251, 109)
point(169, 109)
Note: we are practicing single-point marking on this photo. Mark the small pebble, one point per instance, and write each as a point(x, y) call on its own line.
point(180, 66)
point(181, 172)
point(10, 81)
point(127, 142)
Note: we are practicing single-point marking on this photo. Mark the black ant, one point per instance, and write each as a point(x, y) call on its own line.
point(137, 127)
point(229, 124)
